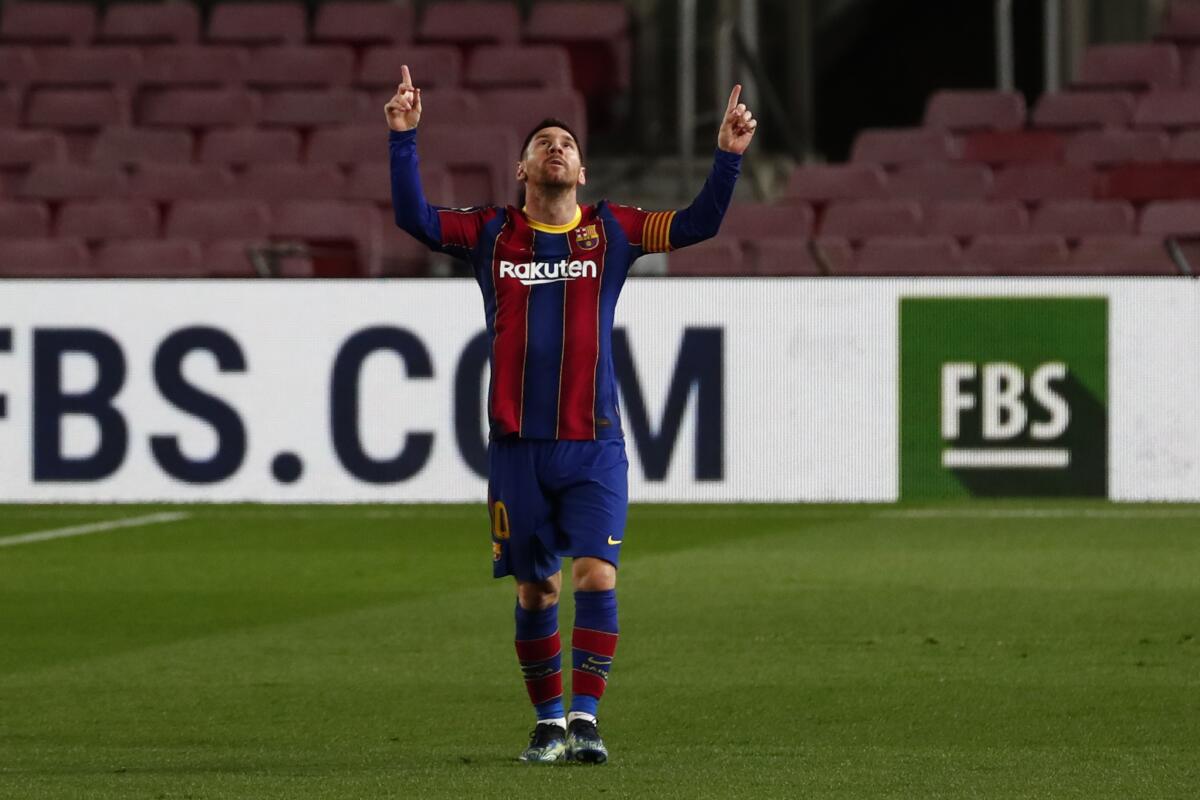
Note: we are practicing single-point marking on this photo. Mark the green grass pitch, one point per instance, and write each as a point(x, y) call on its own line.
point(1008, 650)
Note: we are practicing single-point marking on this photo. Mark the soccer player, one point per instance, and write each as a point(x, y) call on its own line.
point(550, 274)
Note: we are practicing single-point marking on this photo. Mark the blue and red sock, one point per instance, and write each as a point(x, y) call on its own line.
point(594, 643)
point(539, 649)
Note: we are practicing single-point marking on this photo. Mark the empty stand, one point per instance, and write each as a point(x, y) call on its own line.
point(1013, 147)
point(301, 66)
point(363, 23)
point(150, 23)
point(1122, 255)
point(1032, 183)
point(596, 36)
point(1018, 255)
point(345, 237)
point(1182, 22)
point(965, 219)
point(20, 148)
point(1169, 108)
point(521, 109)
point(349, 144)
point(942, 181)
point(1074, 110)
point(715, 257)
point(470, 22)
point(135, 145)
point(901, 146)
point(88, 66)
point(1140, 183)
point(863, 219)
point(150, 258)
point(257, 23)
point(246, 145)
point(1180, 218)
point(1110, 147)
point(776, 256)
point(370, 182)
point(1077, 219)
point(748, 221)
point(76, 109)
point(94, 220)
point(823, 183)
point(23, 219)
point(17, 65)
point(195, 66)
point(10, 107)
point(44, 258)
point(1137, 66)
point(1185, 147)
point(48, 22)
point(199, 108)
point(432, 66)
point(459, 104)
point(975, 110)
point(908, 255)
point(481, 160)
point(279, 182)
point(307, 108)
point(526, 66)
point(209, 220)
point(57, 181)
point(168, 182)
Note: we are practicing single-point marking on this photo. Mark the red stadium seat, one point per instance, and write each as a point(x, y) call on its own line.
point(18, 67)
point(1073, 110)
point(481, 161)
point(822, 183)
point(901, 146)
point(470, 22)
point(1016, 255)
point(757, 220)
point(402, 255)
point(231, 258)
point(524, 66)
point(432, 66)
point(76, 109)
point(1140, 183)
point(71, 182)
point(300, 66)
point(451, 104)
point(863, 219)
point(1171, 218)
point(330, 226)
point(1130, 65)
point(1185, 147)
point(88, 66)
point(168, 182)
point(363, 23)
point(714, 257)
point(22, 219)
point(20, 148)
point(370, 182)
point(258, 23)
point(44, 258)
point(279, 182)
point(790, 256)
point(941, 181)
point(975, 110)
point(209, 220)
point(348, 144)
point(1076, 219)
point(908, 255)
point(1031, 183)
point(1122, 255)
point(195, 66)
point(965, 219)
point(199, 108)
point(1182, 22)
point(307, 108)
point(1013, 147)
point(48, 22)
point(521, 109)
point(1108, 147)
point(10, 107)
point(150, 258)
point(242, 146)
point(1169, 108)
point(134, 145)
point(150, 23)
point(93, 220)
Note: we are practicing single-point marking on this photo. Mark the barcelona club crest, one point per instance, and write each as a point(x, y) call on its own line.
point(587, 237)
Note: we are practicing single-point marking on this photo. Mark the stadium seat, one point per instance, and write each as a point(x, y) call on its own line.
point(1110, 147)
point(519, 67)
point(1137, 66)
point(434, 66)
point(10, 107)
point(480, 161)
point(902, 146)
point(150, 258)
point(88, 66)
point(195, 66)
point(48, 22)
point(1140, 183)
point(363, 23)
point(242, 146)
point(1185, 146)
point(941, 181)
point(746, 221)
point(1033, 254)
point(370, 182)
point(1013, 147)
point(279, 182)
point(1074, 110)
point(401, 255)
point(714, 257)
point(791, 256)
point(908, 255)
point(49, 181)
point(348, 144)
point(76, 109)
point(134, 145)
point(451, 104)
point(329, 226)
point(1076, 219)
point(864, 219)
point(968, 218)
point(18, 67)
point(167, 182)
point(199, 108)
point(470, 22)
point(94, 220)
point(521, 109)
point(44, 258)
point(823, 183)
point(231, 258)
point(209, 220)
point(20, 148)
point(1168, 108)
point(258, 23)
point(1181, 23)
point(975, 110)
point(1122, 255)
point(1179, 218)
point(300, 66)
point(1032, 183)
point(308, 108)
point(150, 23)
point(23, 219)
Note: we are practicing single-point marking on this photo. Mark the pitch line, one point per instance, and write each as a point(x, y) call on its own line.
point(1042, 513)
point(94, 527)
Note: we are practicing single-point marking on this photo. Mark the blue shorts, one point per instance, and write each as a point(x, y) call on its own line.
point(552, 498)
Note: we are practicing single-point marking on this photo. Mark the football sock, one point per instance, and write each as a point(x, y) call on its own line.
point(539, 649)
point(593, 644)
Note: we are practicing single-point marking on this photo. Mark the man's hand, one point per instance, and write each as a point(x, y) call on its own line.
point(404, 109)
point(737, 128)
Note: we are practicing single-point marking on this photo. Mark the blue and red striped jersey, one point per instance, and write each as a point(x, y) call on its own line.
point(550, 292)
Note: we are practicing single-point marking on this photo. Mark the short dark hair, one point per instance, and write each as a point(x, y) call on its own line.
point(549, 122)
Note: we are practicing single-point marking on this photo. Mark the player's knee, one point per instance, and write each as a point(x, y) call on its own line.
point(594, 575)
point(537, 595)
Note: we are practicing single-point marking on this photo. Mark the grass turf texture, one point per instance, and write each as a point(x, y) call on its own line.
point(766, 651)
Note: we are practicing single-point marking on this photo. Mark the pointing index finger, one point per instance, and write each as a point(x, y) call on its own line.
point(405, 77)
point(733, 98)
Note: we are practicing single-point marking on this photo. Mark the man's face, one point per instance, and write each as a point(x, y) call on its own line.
point(551, 160)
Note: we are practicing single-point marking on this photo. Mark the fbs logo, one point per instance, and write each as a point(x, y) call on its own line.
point(1003, 397)
point(534, 272)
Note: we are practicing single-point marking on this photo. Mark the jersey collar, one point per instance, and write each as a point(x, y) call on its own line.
point(544, 228)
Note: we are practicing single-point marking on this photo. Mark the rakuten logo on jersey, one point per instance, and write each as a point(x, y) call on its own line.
point(534, 272)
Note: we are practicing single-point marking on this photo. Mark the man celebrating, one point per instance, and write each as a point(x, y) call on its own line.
point(550, 274)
